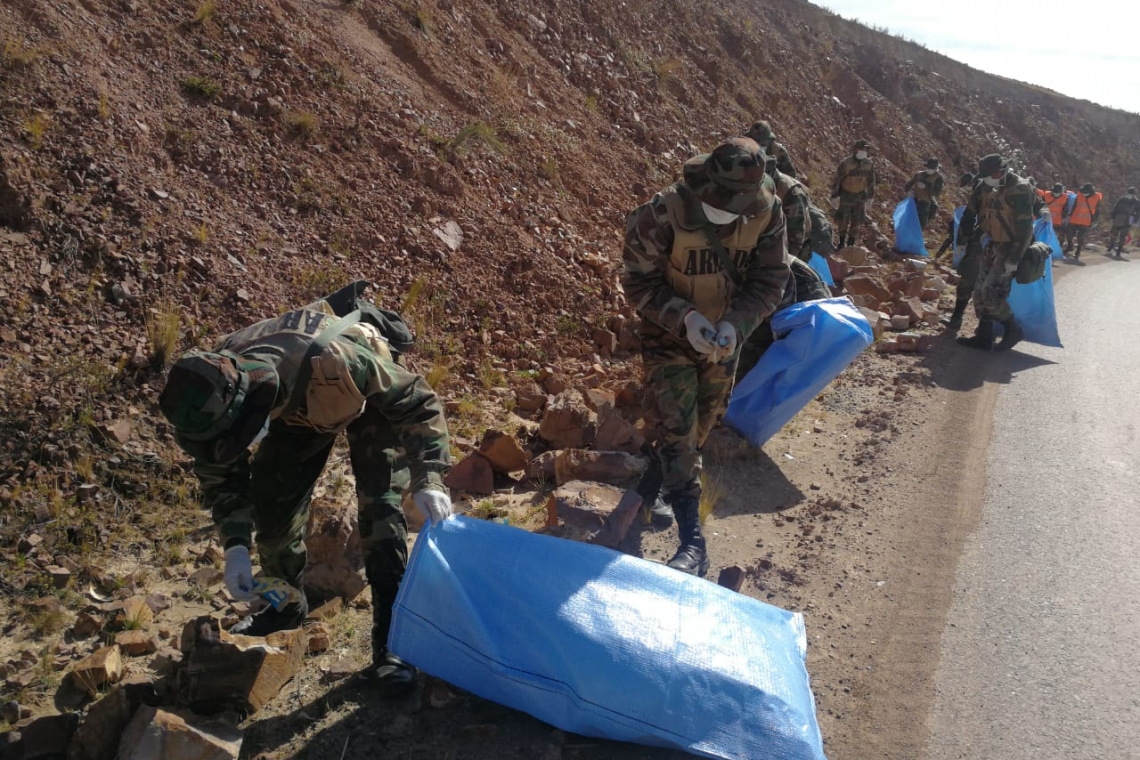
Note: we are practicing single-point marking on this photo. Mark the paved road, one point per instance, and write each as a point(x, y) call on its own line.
point(1041, 658)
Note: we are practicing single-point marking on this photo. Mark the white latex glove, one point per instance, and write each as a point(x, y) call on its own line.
point(435, 505)
point(726, 339)
point(1044, 213)
point(834, 203)
point(700, 332)
point(239, 574)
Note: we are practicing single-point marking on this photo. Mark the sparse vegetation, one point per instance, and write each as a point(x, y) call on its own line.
point(36, 127)
point(712, 492)
point(206, 11)
point(163, 330)
point(301, 124)
point(104, 106)
point(16, 55)
point(201, 87)
point(477, 132)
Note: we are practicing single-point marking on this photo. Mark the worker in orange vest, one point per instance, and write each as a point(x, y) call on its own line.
point(1085, 211)
point(1057, 201)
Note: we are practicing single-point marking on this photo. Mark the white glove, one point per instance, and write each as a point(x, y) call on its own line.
point(239, 574)
point(700, 332)
point(868, 205)
point(1044, 213)
point(435, 505)
point(834, 203)
point(726, 339)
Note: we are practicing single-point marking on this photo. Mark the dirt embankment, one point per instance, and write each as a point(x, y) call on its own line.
point(168, 173)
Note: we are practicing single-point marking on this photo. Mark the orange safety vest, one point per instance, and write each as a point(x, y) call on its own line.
point(1085, 209)
point(1056, 204)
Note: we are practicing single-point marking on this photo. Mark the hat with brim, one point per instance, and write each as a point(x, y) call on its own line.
point(991, 164)
point(730, 178)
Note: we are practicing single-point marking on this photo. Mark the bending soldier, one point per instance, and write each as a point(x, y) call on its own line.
point(303, 378)
point(926, 186)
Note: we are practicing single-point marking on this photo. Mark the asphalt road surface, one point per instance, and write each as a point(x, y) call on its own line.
point(1041, 655)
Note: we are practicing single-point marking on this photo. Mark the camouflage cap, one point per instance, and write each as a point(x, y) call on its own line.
point(761, 132)
point(730, 178)
point(862, 145)
point(991, 164)
point(209, 395)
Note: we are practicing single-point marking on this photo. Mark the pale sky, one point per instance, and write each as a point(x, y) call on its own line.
point(1086, 49)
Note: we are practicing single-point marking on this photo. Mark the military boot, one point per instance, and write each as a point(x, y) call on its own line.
point(983, 337)
point(270, 620)
point(1012, 334)
point(955, 320)
point(654, 511)
point(691, 557)
point(391, 676)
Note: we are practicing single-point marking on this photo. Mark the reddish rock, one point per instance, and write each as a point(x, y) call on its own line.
point(860, 284)
point(503, 452)
point(568, 423)
point(613, 467)
point(593, 512)
point(473, 475)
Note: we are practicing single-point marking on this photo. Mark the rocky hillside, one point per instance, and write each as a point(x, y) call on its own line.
point(171, 171)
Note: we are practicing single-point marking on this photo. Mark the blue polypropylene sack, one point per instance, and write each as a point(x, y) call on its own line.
point(815, 341)
point(602, 644)
point(908, 232)
point(1034, 309)
point(1043, 233)
point(959, 250)
point(819, 264)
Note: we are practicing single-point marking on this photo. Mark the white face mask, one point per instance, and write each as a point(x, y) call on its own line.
point(716, 216)
point(992, 181)
point(861, 155)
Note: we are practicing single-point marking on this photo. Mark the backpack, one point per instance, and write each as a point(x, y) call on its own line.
point(390, 324)
point(1031, 268)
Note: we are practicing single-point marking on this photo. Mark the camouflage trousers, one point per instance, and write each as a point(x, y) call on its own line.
point(1117, 236)
point(968, 268)
point(687, 395)
point(995, 278)
point(1080, 232)
point(926, 211)
point(284, 471)
point(849, 216)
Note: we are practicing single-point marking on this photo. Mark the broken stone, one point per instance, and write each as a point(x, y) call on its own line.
point(319, 638)
point(614, 467)
point(178, 735)
point(451, 234)
point(206, 577)
point(473, 475)
point(503, 452)
point(136, 643)
point(328, 610)
point(860, 284)
point(542, 466)
point(86, 624)
point(59, 575)
point(333, 535)
point(568, 423)
point(230, 672)
point(731, 578)
point(617, 434)
point(529, 397)
point(103, 666)
point(135, 614)
point(118, 431)
point(900, 322)
point(593, 512)
point(325, 581)
point(49, 736)
point(855, 255)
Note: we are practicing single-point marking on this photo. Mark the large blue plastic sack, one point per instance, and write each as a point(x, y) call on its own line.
point(1043, 233)
point(815, 341)
point(602, 644)
point(908, 232)
point(819, 264)
point(959, 248)
point(1034, 309)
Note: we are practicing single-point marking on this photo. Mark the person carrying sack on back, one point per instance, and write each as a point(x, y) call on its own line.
point(1124, 213)
point(300, 380)
point(1001, 206)
point(1086, 210)
point(705, 262)
point(852, 192)
point(926, 186)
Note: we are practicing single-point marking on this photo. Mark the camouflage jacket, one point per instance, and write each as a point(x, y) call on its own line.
point(852, 174)
point(649, 238)
point(1005, 212)
point(354, 371)
point(927, 185)
point(783, 159)
point(1124, 209)
point(795, 202)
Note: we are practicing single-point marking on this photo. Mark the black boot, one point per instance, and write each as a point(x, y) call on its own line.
point(654, 511)
point(983, 337)
point(270, 620)
point(391, 676)
point(1012, 334)
point(955, 320)
point(691, 557)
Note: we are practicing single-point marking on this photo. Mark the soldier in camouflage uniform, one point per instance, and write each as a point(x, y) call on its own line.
point(926, 186)
point(761, 132)
point(1001, 206)
point(705, 261)
point(1124, 213)
point(852, 191)
point(795, 203)
point(304, 377)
